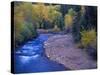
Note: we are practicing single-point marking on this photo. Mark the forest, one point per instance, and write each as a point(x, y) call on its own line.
point(31, 19)
point(80, 20)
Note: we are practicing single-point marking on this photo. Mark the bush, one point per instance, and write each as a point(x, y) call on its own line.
point(89, 41)
point(88, 38)
point(23, 23)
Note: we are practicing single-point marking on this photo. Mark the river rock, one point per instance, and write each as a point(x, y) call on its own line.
point(62, 49)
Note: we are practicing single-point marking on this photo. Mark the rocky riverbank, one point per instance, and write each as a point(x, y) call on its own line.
point(62, 49)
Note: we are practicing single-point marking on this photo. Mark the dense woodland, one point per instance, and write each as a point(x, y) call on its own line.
point(81, 21)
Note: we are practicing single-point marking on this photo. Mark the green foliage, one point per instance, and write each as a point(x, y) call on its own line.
point(71, 12)
point(28, 17)
point(23, 23)
point(58, 20)
point(88, 38)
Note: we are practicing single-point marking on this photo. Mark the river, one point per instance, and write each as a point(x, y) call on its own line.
point(31, 57)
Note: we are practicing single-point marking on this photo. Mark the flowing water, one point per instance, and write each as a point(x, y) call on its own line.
point(31, 57)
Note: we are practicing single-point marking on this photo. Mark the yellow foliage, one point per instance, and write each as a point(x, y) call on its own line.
point(88, 38)
point(40, 11)
point(68, 20)
point(20, 13)
point(22, 22)
point(69, 17)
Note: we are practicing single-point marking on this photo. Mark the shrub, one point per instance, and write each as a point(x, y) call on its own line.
point(23, 23)
point(88, 38)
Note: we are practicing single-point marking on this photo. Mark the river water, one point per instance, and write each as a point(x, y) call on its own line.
point(31, 57)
